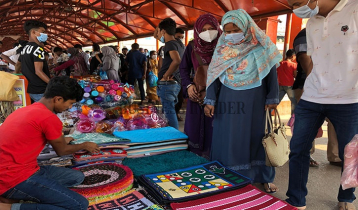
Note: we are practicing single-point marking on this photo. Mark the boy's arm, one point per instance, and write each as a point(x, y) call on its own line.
point(39, 71)
point(174, 55)
point(62, 148)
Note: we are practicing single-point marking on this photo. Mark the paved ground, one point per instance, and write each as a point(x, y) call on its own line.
point(323, 182)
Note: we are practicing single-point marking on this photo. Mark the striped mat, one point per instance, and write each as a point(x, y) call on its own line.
point(247, 198)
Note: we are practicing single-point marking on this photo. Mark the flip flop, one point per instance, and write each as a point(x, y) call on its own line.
point(268, 189)
point(346, 206)
point(313, 163)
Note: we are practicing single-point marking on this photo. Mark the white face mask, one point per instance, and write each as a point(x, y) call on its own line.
point(235, 38)
point(209, 35)
point(306, 11)
point(154, 57)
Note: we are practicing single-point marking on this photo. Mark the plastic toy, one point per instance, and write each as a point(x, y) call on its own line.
point(96, 114)
point(85, 126)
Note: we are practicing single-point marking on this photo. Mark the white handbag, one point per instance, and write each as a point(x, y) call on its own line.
point(275, 143)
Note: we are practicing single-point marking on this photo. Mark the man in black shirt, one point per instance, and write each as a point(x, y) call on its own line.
point(124, 65)
point(33, 63)
point(169, 76)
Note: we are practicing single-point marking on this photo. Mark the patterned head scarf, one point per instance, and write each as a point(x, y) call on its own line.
point(204, 49)
point(108, 51)
point(242, 66)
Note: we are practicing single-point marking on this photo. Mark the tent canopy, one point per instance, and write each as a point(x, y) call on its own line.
point(102, 21)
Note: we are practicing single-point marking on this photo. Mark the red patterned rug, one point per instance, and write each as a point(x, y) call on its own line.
point(247, 198)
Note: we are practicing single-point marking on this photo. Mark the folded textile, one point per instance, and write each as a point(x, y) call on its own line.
point(151, 145)
point(102, 139)
point(248, 198)
point(151, 135)
point(57, 161)
point(129, 201)
point(104, 153)
point(104, 181)
point(156, 150)
point(47, 153)
point(193, 182)
point(164, 162)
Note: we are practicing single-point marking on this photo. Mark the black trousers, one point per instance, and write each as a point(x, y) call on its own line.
point(131, 81)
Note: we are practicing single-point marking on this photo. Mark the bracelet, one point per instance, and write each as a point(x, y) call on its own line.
point(187, 87)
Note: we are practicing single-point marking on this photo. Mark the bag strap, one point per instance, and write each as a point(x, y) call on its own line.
point(197, 56)
point(268, 119)
point(279, 119)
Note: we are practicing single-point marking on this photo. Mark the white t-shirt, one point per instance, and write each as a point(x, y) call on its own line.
point(13, 56)
point(333, 45)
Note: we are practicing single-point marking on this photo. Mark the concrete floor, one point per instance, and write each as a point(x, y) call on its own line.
point(323, 182)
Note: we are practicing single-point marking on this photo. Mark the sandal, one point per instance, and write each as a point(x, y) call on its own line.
point(313, 163)
point(270, 188)
point(346, 206)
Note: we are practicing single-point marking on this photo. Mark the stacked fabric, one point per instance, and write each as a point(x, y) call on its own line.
point(105, 155)
point(104, 182)
point(153, 141)
point(48, 156)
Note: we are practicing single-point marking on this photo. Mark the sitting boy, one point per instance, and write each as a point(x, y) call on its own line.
point(23, 135)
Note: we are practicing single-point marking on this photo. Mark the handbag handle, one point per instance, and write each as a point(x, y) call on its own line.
point(269, 120)
point(279, 118)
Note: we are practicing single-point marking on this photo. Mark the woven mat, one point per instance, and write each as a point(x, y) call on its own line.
point(248, 198)
point(98, 138)
point(104, 181)
point(164, 162)
point(151, 135)
point(132, 200)
point(6, 108)
point(193, 182)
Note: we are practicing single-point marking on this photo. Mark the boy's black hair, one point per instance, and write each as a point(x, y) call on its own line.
point(65, 87)
point(168, 25)
point(135, 46)
point(151, 53)
point(290, 53)
point(115, 48)
point(96, 47)
point(78, 46)
point(87, 51)
point(57, 49)
point(179, 30)
point(33, 24)
point(124, 48)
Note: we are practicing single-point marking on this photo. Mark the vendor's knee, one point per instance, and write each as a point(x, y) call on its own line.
point(78, 177)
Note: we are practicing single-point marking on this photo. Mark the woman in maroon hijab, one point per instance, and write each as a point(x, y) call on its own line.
point(198, 53)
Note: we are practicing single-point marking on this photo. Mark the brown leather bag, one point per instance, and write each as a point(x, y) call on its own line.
point(200, 79)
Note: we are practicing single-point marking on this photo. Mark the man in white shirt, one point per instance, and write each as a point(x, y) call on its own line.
point(331, 90)
point(12, 56)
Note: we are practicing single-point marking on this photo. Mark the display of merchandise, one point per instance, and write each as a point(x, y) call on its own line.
point(248, 198)
point(104, 182)
point(192, 183)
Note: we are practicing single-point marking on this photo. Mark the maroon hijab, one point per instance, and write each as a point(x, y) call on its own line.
point(204, 49)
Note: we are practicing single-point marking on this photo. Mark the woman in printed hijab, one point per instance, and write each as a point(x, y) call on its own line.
point(241, 85)
point(110, 63)
point(198, 127)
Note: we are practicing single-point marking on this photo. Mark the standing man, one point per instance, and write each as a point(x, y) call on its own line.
point(179, 35)
point(33, 63)
point(124, 65)
point(286, 73)
point(169, 76)
point(85, 56)
point(330, 90)
point(137, 69)
point(21, 178)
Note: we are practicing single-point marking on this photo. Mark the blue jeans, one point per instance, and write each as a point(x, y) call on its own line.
point(36, 97)
point(290, 94)
point(309, 117)
point(169, 96)
point(48, 188)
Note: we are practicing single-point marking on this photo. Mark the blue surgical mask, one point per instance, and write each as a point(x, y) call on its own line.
point(42, 38)
point(306, 11)
point(162, 39)
point(235, 38)
point(69, 54)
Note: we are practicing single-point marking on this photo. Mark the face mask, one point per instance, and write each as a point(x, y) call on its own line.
point(306, 11)
point(209, 35)
point(69, 54)
point(154, 57)
point(162, 39)
point(42, 38)
point(235, 38)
